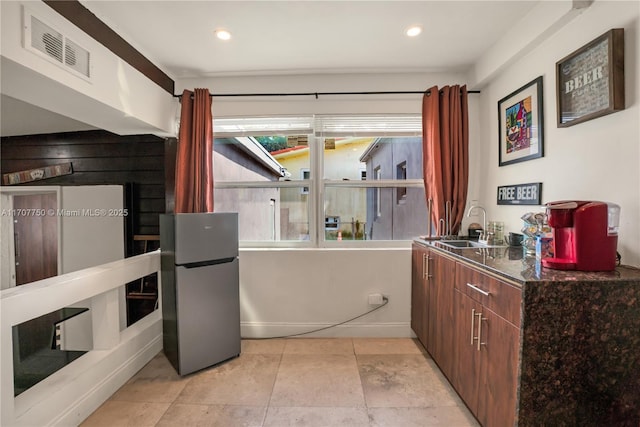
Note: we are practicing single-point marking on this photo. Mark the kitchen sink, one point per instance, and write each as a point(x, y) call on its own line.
point(462, 244)
point(459, 243)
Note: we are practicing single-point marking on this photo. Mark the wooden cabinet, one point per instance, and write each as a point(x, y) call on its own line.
point(432, 304)
point(466, 357)
point(469, 323)
point(440, 326)
point(498, 372)
point(486, 345)
point(522, 361)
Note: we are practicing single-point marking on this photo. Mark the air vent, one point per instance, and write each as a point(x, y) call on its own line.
point(55, 46)
point(77, 58)
point(46, 39)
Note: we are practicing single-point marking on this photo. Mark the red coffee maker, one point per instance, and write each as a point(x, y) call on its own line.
point(585, 235)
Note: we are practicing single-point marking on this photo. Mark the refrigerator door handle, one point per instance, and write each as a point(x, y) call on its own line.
point(207, 263)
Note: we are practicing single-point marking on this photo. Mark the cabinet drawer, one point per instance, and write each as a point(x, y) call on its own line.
point(502, 298)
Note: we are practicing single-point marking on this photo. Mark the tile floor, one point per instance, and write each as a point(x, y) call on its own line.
point(312, 382)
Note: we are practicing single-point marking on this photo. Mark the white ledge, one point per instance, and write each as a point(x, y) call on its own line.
point(22, 303)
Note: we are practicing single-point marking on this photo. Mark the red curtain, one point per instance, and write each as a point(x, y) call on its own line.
point(194, 159)
point(445, 153)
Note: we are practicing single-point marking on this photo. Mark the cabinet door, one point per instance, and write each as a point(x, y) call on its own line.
point(499, 371)
point(419, 293)
point(466, 359)
point(440, 334)
point(486, 366)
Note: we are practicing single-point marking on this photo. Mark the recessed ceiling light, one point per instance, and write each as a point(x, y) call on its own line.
point(413, 31)
point(223, 34)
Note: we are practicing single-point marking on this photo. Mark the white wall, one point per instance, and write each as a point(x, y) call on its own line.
point(595, 160)
point(287, 291)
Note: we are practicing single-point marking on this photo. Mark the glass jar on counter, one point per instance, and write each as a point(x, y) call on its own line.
point(497, 229)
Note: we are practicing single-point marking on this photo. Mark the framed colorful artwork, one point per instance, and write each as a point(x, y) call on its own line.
point(520, 124)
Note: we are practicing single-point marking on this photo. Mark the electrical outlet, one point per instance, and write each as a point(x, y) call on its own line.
point(375, 299)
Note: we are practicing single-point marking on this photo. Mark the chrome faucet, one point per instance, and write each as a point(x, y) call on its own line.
point(483, 236)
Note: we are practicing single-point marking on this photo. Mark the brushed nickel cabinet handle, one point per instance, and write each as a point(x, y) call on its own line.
point(424, 266)
point(477, 289)
point(480, 319)
point(427, 270)
point(473, 318)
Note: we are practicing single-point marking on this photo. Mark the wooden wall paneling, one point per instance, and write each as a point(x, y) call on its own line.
point(129, 225)
point(170, 153)
point(95, 164)
point(99, 158)
point(89, 150)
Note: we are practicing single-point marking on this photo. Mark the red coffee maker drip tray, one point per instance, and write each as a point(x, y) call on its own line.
point(559, 263)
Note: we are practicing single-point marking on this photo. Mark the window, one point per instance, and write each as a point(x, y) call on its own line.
point(257, 168)
point(288, 177)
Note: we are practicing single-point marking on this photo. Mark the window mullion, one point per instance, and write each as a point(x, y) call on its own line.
point(317, 201)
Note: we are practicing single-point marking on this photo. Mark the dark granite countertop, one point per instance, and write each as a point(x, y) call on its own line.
point(510, 263)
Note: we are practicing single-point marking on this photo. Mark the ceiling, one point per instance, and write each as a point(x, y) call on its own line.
point(298, 37)
point(290, 37)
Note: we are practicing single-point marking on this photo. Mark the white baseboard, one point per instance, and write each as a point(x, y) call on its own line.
point(357, 330)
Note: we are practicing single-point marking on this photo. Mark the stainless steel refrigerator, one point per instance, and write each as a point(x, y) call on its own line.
point(200, 289)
